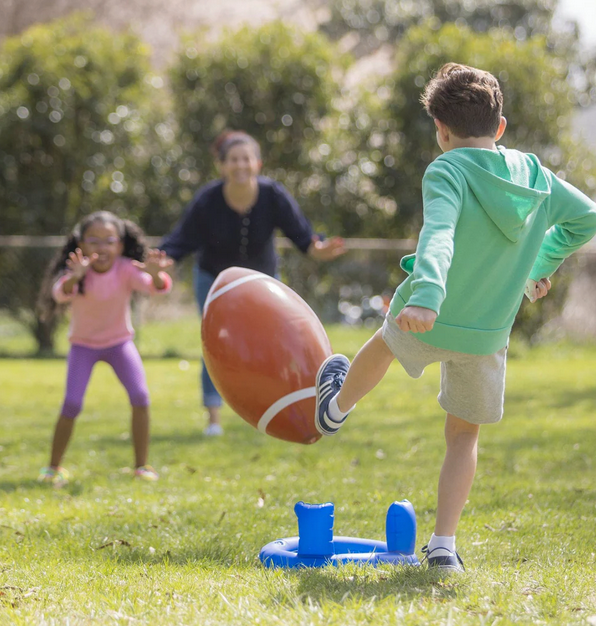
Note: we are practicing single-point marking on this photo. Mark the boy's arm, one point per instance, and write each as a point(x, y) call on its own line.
point(442, 197)
point(574, 217)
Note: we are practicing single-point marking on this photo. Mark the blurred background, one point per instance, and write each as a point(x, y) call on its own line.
point(112, 105)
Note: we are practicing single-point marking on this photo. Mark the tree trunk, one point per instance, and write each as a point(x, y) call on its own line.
point(44, 335)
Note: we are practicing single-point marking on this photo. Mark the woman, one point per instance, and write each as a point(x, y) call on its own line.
point(231, 222)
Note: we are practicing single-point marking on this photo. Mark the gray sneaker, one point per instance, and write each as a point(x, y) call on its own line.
point(330, 378)
point(444, 560)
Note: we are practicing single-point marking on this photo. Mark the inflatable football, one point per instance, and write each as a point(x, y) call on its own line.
point(263, 346)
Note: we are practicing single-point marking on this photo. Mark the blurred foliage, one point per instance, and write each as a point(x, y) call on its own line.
point(284, 87)
point(70, 119)
point(21, 273)
point(275, 82)
point(375, 22)
point(538, 104)
point(85, 124)
point(73, 106)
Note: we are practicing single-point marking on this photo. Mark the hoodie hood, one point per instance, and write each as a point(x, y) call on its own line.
point(519, 179)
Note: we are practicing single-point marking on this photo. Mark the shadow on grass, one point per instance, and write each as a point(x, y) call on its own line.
point(168, 354)
point(313, 584)
point(188, 437)
point(539, 441)
point(517, 401)
point(72, 489)
point(212, 553)
point(357, 583)
point(18, 485)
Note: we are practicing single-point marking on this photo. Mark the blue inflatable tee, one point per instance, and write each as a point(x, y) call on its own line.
point(401, 528)
point(315, 527)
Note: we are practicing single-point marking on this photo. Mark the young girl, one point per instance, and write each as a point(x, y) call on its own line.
point(101, 264)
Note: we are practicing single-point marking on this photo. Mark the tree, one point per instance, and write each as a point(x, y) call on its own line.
point(73, 107)
point(275, 82)
point(538, 103)
point(385, 21)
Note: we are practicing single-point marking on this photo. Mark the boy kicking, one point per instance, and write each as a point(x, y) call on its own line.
point(495, 223)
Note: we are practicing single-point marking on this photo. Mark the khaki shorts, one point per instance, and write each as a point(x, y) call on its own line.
point(472, 385)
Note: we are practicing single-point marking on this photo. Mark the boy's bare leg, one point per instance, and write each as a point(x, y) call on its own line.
point(457, 473)
point(140, 434)
point(366, 371)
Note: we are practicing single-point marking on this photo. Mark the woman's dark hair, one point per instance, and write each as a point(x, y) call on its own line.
point(226, 140)
point(134, 247)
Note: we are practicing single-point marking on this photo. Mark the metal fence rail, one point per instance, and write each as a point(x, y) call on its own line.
point(55, 241)
point(282, 243)
point(354, 288)
point(369, 269)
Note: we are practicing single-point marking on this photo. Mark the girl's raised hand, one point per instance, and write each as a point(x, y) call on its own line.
point(78, 264)
point(155, 262)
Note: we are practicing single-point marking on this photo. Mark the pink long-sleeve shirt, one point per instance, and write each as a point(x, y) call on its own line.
point(101, 316)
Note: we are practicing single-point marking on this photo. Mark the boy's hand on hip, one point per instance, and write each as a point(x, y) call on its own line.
point(536, 290)
point(416, 319)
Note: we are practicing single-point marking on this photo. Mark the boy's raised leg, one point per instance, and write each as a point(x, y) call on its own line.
point(366, 371)
point(340, 385)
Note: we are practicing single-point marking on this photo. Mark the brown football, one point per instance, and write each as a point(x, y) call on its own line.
point(263, 346)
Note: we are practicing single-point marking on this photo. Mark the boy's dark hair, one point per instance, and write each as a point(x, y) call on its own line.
point(134, 247)
point(467, 100)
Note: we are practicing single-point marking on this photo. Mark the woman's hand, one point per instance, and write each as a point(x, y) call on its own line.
point(326, 250)
point(416, 319)
point(78, 264)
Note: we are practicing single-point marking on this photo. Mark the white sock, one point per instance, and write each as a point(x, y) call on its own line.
point(333, 410)
point(441, 542)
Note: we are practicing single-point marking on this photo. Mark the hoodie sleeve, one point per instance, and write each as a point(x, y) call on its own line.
point(442, 198)
point(573, 216)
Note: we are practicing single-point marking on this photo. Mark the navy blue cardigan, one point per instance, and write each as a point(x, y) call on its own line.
point(222, 238)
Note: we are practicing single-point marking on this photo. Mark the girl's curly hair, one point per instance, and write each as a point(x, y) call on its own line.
point(134, 247)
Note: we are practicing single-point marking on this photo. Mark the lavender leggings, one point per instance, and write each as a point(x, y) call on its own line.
point(124, 359)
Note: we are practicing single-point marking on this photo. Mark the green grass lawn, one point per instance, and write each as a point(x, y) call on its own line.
point(109, 550)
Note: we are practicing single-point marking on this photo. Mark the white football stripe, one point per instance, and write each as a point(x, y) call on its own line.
point(229, 286)
point(282, 403)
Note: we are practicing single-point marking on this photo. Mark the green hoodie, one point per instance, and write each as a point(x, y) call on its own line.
point(492, 218)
